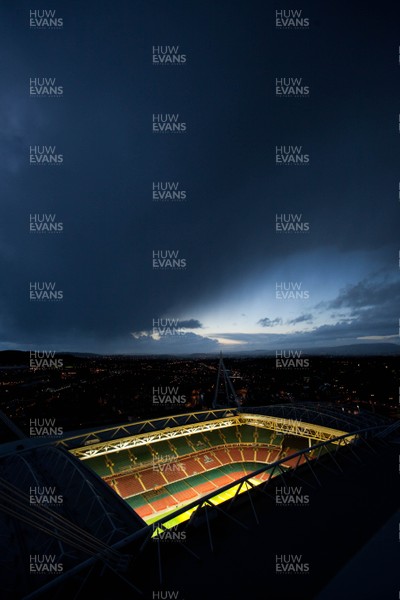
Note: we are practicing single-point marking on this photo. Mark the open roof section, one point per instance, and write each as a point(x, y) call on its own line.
point(321, 422)
point(326, 414)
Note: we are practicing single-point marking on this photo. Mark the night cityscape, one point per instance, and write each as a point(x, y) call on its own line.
point(95, 390)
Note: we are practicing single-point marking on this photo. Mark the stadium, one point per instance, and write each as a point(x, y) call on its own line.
point(165, 464)
point(166, 506)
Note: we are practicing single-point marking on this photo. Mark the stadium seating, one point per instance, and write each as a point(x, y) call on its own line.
point(192, 466)
point(122, 461)
point(142, 454)
point(274, 455)
point(223, 456)
point(98, 465)
point(198, 441)
point(264, 476)
point(251, 466)
point(202, 484)
point(163, 449)
point(263, 435)
point(213, 438)
point(248, 454)
point(152, 478)
point(223, 480)
point(182, 446)
point(163, 503)
point(141, 506)
point(208, 461)
point(262, 454)
point(232, 468)
point(173, 471)
point(236, 454)
point(229, 434)
point(182, 491)
point(247, 434)
point(277, 439)
point(214, 454)
point(128, 485)
point(235, 471)
point(158, 477)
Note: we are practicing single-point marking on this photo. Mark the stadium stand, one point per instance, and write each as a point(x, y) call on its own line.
point(247, 434)
point(182, 446)
point(152, 478)
point(193, 466)
point(142, 454)
point(223, 456)
point(162, 449)
point(202, 484)
point(121, 461)
point(249, 454)
point(232, 470)
point(173, 472)
point(141, 506)
point(127, 485)
point(213, 438)
point(236, 454)
point(262, 454)
point(98, 465)
point(274, 455)
point(163, 503)
point(207, 460)
point(263, 436)
point(197, 441)
point(182, 491)
point(277, 439)
point(166, 474)
point(222, 480)
point(229, 435)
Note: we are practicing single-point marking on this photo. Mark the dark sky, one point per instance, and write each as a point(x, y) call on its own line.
point(225, 298)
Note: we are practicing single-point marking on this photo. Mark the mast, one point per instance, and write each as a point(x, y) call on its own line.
point(230, 393)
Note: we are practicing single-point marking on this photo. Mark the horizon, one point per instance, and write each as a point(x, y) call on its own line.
point(391, 349)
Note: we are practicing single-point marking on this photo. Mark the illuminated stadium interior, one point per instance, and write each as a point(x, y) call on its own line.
point(165, 469)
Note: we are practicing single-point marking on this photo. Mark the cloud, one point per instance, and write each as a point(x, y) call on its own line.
point(167, 323)
point(269, 323)
point(186, 343)
point(190, 324)
point(140, 335)
point(301, 319)
point(372, 291)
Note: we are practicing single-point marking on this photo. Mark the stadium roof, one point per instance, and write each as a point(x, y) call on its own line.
point(51, 505)
point(328, 415)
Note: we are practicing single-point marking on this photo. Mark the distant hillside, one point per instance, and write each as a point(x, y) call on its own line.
point(383, 349)
point(19, 357)
point(14, 357)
